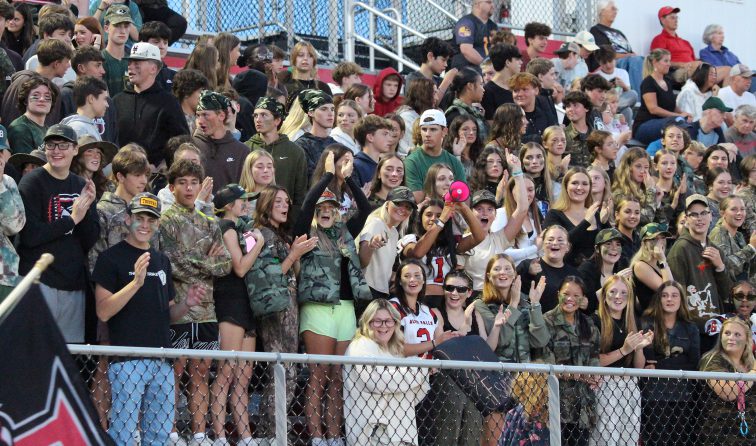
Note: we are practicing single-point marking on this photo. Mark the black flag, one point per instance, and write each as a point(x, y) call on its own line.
point(43, 400)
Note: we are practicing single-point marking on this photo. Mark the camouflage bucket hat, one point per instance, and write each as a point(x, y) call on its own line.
point(607, 235)
point(312, 99)
point(272, 105)
point(211, 100)
point(653, 230)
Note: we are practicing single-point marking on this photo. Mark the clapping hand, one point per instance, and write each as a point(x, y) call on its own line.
point(502, 316)
point(195, 294)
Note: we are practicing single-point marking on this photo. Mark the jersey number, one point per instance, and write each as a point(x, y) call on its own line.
point(440, 266)
point(423, 335)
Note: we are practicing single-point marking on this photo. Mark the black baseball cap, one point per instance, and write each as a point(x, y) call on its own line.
point(228, 194)
point(61, 131)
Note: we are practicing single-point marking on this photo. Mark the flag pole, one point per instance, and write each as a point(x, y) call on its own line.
point(20, 290)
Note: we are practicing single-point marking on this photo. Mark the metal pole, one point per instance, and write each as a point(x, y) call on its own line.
point(371, 36)
point(348, 30)
point(261, 14)
point(279, 381)
point(333, 30)
point(555, 427)
point(289, 26)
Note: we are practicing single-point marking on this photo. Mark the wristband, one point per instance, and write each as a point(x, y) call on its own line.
point(433, 342)
point(439, 223)
point(517, 174)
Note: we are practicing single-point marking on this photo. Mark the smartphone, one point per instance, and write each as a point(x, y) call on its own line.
point(249, 241)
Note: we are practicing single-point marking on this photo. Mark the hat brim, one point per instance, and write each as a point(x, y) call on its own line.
point(696, 201)
point(648, 236)
point(589, 46)
point(18, 160)
point(401, 200)
point(63, 137)
point(118, 20)
point(137, 59)
point(482, 200)
point(107, 148)
point(152, 212)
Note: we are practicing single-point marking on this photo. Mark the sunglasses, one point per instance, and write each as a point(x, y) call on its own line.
point(459, 289)
point(743, 296)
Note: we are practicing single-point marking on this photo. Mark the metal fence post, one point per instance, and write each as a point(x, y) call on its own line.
point(348, 17)
point(555, 426)
point(279, 381)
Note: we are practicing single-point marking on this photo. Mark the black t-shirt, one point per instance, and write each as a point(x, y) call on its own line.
point(470, 29)
point(605, 35)
point(543, 116)
point(554, 279)
point(229, 286)
point(664, 99)
point(144, 321)
point(618, 340)
point(493, 97)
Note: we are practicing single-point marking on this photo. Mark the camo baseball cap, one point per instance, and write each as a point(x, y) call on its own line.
point(607, 235)
point(653, 230)
point(327, 196)
point(118, 14)
point(145, 203)
point(211, 100)
point(272, 105)
point(228, 194)
point(311, 99)
point(402, 194)
point(481, 196)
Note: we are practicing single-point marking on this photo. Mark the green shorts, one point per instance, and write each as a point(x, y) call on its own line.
point(335, 321)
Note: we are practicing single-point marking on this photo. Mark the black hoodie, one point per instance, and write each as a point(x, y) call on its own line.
point(149, 118)
point(223, 158)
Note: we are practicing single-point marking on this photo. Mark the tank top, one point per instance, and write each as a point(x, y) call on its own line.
point(449, 327)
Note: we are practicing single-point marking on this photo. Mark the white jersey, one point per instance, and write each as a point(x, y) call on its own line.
point(417, 328)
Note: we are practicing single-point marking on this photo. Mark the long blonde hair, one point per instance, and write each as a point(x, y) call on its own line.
point(549, 133)
point(563, 201)
point(746, 358)
point(364, 330)
point(605, 317)
point(545, 174)
point(623, 183)
point(247, 181)
point(295, 120)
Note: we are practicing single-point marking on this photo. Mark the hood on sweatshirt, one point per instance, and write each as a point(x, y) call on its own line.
point(383, 106)
point(82, 125)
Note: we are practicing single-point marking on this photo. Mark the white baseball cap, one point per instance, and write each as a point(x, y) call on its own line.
point(144, 51)
point(586, 40)
point(433, 116)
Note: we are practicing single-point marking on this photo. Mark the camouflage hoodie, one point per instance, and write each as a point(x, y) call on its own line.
point(525, 329)
point(186, 236)
point(12, 220)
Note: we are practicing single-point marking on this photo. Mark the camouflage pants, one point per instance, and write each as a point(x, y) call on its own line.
point(278, 332)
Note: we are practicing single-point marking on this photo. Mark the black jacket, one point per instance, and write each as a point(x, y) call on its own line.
point(149, 118)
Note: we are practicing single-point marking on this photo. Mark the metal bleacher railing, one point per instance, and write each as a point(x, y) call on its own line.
point(364, 29)
point(550, 403)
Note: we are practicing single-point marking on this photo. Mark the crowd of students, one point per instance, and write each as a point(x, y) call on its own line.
point(273, 211)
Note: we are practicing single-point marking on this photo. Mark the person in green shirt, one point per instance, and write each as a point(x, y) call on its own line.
point(117, 25)
point(27, 132)
point(433, 130)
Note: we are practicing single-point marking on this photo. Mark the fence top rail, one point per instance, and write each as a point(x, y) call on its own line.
point(161, 353)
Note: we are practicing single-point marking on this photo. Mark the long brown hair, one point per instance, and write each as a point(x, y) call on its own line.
point(655, 312)
point(225, 43)
point(264, 209)
point(507, 121)
point(605, 317)
point(204, 58)
point(419, 95)
point(490, 293)
point(562, 202)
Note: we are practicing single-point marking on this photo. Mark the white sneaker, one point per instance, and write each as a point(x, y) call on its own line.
point(204, 440)
point(336, 442)
point(222, 441)
point(317, 441)
point(249, 441)
point(176, 440)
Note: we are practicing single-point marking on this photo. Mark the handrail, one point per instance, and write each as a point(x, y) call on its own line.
point(443, 11)
point(386, 52)
point(387, 18)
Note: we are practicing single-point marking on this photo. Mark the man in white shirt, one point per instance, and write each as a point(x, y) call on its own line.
point(737, 94)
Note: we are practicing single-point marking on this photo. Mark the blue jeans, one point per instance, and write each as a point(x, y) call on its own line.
point(650, 130)
point(146, 386)
point(634, 67)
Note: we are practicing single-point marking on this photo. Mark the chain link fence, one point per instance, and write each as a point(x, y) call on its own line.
point(145, 394)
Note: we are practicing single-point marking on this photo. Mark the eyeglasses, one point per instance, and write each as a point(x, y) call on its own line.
point(458, 289)
point(382, 323)
point(697, 215)
point(40, 98)
point(743, 296)
point(61, 146)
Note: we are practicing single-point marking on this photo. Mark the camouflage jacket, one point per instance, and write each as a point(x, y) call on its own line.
point(739, 256)
point(525, 329)
point(6, 71)
point(748, 194)
point(320, 274)
point(186, 236)
point(268, 288)
point(111, 211)
point(576, 400)
point(577, 147)
point(12, 220)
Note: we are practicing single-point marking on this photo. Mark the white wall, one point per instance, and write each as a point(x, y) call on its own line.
point(637, 19)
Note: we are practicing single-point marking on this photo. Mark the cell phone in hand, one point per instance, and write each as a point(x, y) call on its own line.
point(249, 241)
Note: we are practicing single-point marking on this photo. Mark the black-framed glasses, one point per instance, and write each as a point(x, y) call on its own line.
point(61, 146)
point(382, 323)
point(459, 289)
point(743, 296)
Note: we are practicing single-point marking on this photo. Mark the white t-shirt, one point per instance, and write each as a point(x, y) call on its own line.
point(734, 101)
point(476, 259)
point(440, 265)
point(378, 271)
point(618, 72)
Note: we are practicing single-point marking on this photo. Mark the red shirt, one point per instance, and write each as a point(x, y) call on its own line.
point(679, 48)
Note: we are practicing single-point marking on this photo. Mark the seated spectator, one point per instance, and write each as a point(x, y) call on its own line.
point(35, 98)
point(506, 61)
point(472, 33)
point(618, 79)
point(576, 106)
point(682, 58)
point(187, 86)
point(550, 90)
point(708, 129)
point(158, 11)
point(569, 66)
point(748, 191)
point(739, 252)
point(54, 60)
point(19, 32)
point(90, 96)
point(99, 10)
point(363, 96)
point(387, 91)
point(737, 93)
point(319, 109)
point(536, 41)
point(742, 132)
point(657, 98)
point(254, 82)
point(626, 59)
point(303, 72)
point(434, 57)
point(348, 114)
point(399, 389)
point(155, 105)
point(467, 88)
point(372, 134)
point(595, 88)
point(700, 87)
point(715, 52)
point(588, 48)
point(487, 68)
point(344, 75)
point(539, 111)
point(158, 34)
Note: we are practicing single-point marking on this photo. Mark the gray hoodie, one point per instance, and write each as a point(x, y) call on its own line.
point(82, 125)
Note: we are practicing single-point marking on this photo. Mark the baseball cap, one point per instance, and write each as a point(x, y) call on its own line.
point(652, 230)
point(568, 47)
point(481, 196)
point(228, 194)
point(741, 70)
point(667, 10)
point(145, 203)
point(715, 102)
point(144, 51)
point(4, 139)
point(695, 198)
point(19, 160)
point(586, 40)
point(61, 131)
point(402, 194)
point(107, 148)
point(433, 116)
point(607, 235)
point(327, 195)
point(118, 14)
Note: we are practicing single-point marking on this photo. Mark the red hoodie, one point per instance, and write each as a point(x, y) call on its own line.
point(382, 107)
